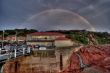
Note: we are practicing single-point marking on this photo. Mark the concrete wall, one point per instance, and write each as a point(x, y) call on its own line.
point(40, 43)
point(34, 37)
point(63, 43)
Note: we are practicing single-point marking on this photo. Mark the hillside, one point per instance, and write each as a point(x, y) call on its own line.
point(79, 36)
point(89, 59)
point(18, 32)
point(87, 37)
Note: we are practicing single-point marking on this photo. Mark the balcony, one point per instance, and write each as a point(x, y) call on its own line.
point(40, 40)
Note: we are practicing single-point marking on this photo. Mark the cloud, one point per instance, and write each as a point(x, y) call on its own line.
point(15, 12)
point(58, 19)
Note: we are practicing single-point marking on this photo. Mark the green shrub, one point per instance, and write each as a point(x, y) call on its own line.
point(81, 38)
point(103, 40)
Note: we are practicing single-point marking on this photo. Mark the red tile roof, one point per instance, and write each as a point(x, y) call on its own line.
point(47, 34)
point(62, 38)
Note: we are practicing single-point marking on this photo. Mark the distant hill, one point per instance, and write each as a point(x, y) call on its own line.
point(78, 36)
point(87, 37)
point(18, 32)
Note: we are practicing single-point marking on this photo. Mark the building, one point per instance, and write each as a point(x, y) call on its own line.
point(10, 38)
point(13, 38)
point(63, 42)
point(48, 39)
point(21, 39)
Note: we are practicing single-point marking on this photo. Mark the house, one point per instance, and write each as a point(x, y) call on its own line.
point(48, 39)
point(1, 38)
point(21, 38)
point(13, 38)
point(63, 42)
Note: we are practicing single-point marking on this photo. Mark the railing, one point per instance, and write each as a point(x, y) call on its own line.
point(9, 55)
point(39, 40)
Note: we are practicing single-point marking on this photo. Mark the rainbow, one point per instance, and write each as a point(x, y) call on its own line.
point(37, 16)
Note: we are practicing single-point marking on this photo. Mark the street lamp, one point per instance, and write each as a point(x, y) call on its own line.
point(3, 39)
point(16, 37)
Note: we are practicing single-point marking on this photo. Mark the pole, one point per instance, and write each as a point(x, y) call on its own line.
point(28, 48)
point(23, 50)
point(15, 53)
point(61, 62)
point(3, 40)
point(16, 39)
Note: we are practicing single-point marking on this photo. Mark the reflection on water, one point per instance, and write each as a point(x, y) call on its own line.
point(1, 64)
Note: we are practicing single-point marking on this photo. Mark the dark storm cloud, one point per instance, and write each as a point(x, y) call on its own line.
point(58, 19)
point(100, 15)
point(0, 7)
point(14, 12)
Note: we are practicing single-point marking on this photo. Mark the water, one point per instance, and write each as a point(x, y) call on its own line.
point(82, 65)
point(1, 64)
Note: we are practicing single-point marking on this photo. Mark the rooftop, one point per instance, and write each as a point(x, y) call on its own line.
point(61, 38)
point(47, 34)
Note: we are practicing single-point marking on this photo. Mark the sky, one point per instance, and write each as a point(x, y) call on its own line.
point(55, 14)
